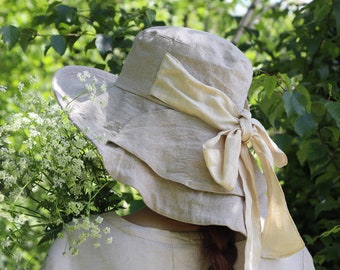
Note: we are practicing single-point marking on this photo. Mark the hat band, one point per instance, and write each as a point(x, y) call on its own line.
point(225, 152)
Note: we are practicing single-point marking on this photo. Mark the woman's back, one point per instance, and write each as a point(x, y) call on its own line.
point(145, 248)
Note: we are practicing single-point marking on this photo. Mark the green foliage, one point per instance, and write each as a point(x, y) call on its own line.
point(103, 27)
point(49, 175)
point(304, 107)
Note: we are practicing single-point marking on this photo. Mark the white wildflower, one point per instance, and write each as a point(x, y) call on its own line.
point(21, 86)
point(33, 79)
point(21, 219)
point(36, 118)
point(86, 224)
point(3, 88)
point(91, 154)
point(91, 90)
point(58, 182)
point(34, 133)
point(106, 230)
point(95, 232)
point(22, 164)
point(74, 251)
point(7, 242)
point(94, 79)
point(74, 207)
point(35, 188)
point(108, 240)
point(99, 220)
point(82, 76)
point(103, 87)
point(9, 180)
point(96, 245)
point(82, 237)
point(17, 256)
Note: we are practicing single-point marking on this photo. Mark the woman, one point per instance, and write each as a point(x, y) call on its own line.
point(176, 126)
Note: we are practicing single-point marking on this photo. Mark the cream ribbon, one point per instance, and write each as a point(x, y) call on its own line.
point(227, 156)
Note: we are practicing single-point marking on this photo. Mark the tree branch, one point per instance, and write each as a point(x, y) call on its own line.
point(246, 21)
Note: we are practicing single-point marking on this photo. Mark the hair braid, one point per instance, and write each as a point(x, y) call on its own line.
point(219, 247)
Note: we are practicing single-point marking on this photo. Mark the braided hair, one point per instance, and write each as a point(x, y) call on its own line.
point(218, 246)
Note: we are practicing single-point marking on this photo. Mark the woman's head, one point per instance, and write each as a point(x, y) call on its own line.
point(176, 125)
point(156, 145)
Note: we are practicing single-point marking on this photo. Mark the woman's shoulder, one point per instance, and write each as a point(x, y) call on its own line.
point(114, 242)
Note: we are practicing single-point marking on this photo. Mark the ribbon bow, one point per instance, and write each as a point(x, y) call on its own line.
point(227, 157)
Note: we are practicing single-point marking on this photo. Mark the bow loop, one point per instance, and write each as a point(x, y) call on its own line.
point(246, 125)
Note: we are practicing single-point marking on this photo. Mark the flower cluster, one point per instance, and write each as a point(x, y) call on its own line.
point(91, 84)
point(50, 174)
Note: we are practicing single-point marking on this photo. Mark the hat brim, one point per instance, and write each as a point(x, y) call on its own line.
point(148, 146)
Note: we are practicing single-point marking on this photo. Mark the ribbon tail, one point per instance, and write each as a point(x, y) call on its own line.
point(280, 237)
point(278, 157)
point(252, 212)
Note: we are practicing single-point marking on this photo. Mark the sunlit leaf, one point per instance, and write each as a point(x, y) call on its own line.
point(269, 84)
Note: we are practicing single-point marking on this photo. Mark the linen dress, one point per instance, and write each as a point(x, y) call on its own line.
point(144, 248)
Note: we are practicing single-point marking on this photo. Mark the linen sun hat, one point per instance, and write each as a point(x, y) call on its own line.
point(175, 124)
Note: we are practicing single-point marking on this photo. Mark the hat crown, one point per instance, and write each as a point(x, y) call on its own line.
point(212, 60)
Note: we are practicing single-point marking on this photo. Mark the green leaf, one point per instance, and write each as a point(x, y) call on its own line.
point(323, 71)
point(257, 82)
point(90, 45)
point(313, 45)
point(336, 16)
point(319, 164)
point(305, 125)
point(66, 14)
point(333, 230)
point(294, 103)
point(333, 134)
point(275, 113)
point(307, 99)
point(311, 150)
point(47, 47)
point(327, 205)
point(334, 110)
point(150, 17)
point(269, 84)
point(322, 11)
point(10, 35)
point(285, 80)
point(27, 35)
point(58, 43)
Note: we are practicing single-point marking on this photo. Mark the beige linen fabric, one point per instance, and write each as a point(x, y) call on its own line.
point(237, 129)
point(176, 126)
point(135, 247)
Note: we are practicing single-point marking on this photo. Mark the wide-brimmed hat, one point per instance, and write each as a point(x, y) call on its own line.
point(175, 124)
